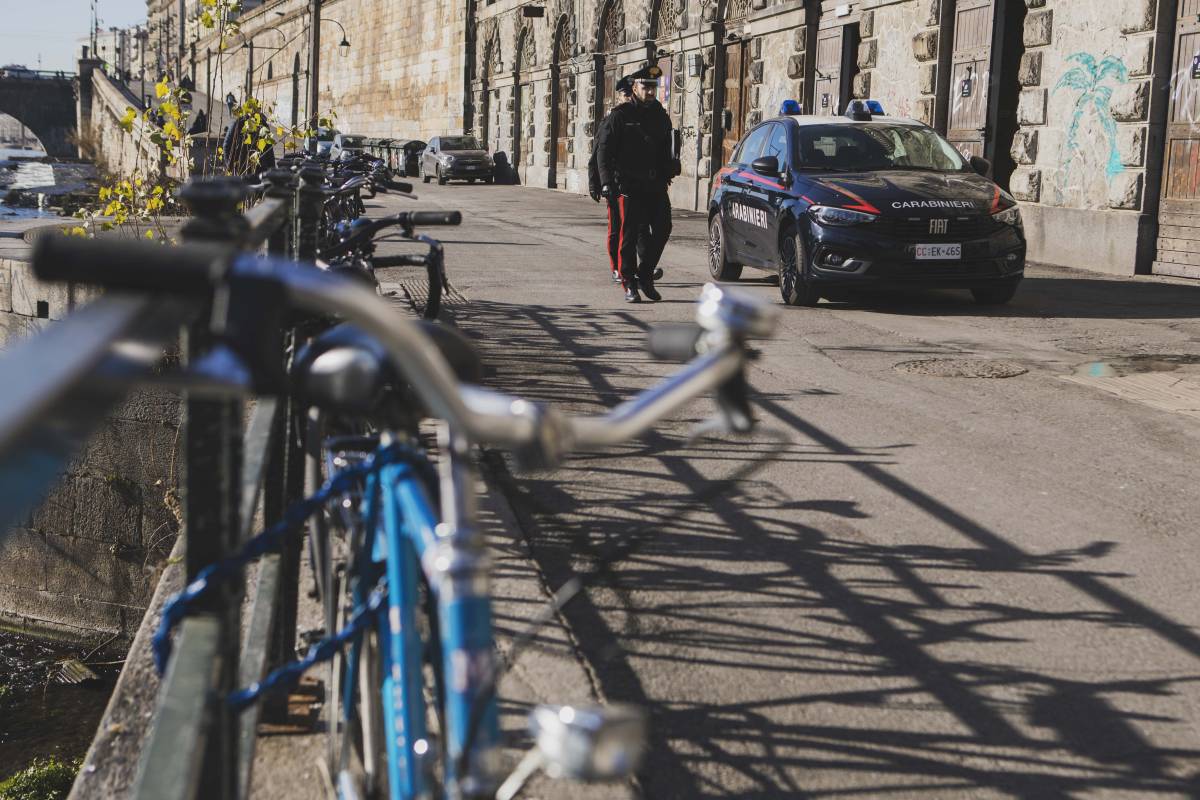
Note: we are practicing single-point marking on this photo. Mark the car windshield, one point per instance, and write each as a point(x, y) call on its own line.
point(460, 143)
point(325, 135)
point(860, 148)
point(353, 141)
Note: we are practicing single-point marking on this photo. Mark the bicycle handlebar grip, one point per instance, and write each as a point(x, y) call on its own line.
point(674, 341)
point(427, 218)
point(137, 265)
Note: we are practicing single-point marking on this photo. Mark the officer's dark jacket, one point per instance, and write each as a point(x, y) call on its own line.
point(594, 182)
point(633, 148)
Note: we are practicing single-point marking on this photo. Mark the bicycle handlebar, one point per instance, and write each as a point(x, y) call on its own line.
point(136, 266)
point(536, 433)
point(405, 219)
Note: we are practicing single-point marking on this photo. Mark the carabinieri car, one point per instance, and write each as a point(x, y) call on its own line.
point(862, 200)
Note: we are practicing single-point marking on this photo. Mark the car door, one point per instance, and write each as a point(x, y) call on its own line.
point(737, 215)
point(763, 196)
point(429, 157)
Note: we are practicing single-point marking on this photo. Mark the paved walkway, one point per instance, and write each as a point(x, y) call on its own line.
point(944, 587)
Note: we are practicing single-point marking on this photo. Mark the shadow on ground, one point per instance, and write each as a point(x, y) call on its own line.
point(783, 654)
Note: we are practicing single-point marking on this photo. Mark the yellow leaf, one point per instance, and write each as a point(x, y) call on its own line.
point(279, 130)
point(105, 192)
point(161, 89)
point(206, 19)
point(137, 182)
point(149, 234)
point(170, 129)
point(77, 230)
point(158, 190)
point(261, 145)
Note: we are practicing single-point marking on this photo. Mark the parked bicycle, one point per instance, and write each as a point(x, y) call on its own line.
point(418, 681)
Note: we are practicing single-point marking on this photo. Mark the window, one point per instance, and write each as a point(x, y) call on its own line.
point(875, 147)
point(752, 145)
point(778, 145)
point(459, 143)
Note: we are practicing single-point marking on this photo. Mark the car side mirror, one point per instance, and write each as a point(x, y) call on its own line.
point(981, 165)
point(767, 165)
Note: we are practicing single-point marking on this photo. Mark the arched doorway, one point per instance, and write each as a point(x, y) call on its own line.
point(733, 65)
point(664, 28)
point(523, 61)
point(296, 90)
point(488, 129)
point(561, 78)
point(979, 62)
point(610, 36)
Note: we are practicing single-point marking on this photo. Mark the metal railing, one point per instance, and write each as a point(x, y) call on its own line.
point(237, 476)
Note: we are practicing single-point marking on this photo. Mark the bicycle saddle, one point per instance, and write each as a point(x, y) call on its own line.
point(345, 370)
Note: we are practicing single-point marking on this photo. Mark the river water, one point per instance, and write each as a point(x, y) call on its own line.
point(24, 170)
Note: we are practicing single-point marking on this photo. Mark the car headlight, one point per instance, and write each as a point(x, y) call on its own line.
point(446, 159)
point(1009, 216)
point(829, 215)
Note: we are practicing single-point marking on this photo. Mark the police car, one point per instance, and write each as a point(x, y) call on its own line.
point(863, 200)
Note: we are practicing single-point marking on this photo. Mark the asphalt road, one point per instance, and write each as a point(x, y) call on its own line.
point(939, 587)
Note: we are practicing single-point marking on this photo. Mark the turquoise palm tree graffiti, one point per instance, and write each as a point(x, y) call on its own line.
point(1091, 79)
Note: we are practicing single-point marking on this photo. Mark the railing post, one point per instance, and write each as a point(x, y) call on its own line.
point(283, 187)
point(212, 467)
point(308, 213)
point(281, 488)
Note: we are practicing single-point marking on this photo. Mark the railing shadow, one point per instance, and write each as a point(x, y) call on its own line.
point(788, 655)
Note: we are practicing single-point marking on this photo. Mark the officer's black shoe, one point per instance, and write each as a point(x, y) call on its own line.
point(632, 296)
point(651, 293)
point(658, 273)
point(616, 276)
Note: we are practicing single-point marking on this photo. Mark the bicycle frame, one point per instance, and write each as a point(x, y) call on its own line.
point(405, 538)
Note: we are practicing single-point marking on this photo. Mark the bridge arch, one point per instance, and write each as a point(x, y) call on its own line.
point(46, 106)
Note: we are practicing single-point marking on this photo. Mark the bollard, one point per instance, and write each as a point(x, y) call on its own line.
point(212, 478)
point(310, 204)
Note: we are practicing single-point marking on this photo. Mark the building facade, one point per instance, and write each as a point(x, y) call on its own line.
point(1086, 110)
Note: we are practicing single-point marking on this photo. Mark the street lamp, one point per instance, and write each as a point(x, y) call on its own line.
point(344, 45)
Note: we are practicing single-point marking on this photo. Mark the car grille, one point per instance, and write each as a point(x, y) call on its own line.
point(918, 229)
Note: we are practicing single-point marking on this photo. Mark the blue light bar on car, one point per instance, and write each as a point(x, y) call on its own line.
point(875, 107)
point(789, 107)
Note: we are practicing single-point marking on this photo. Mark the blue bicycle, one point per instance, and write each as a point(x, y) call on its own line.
point(401, 566)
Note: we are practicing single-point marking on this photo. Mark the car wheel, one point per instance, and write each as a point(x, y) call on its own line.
point(470, 180)
point(489, 179)
point(424, 177)
point(441, 178)
point(794, 286)
point(719, 266)
point(995, 295)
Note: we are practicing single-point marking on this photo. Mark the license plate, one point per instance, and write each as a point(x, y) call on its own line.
point(937, 252)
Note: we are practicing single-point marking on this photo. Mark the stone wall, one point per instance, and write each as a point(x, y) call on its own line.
point(85, 562)
point(402, 76)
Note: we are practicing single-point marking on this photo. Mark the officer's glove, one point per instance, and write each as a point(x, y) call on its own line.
point(609, 192)
point(595, 193)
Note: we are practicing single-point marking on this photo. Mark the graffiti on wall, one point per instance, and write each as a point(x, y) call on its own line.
point(1090, 149)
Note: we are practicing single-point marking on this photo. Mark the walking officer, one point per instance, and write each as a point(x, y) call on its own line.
point(635, 161)
point(624, 92)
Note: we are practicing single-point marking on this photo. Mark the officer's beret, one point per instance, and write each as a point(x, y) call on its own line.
point(624, 86)
point(650, 73)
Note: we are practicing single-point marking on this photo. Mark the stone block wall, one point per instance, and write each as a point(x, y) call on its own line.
point(1084, 104)
point(85, 562)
